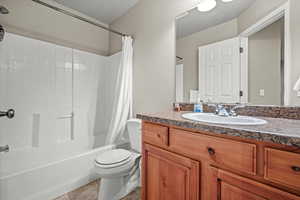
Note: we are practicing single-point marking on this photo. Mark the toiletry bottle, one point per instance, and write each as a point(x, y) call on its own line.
point(198, 107)
point(177, 107)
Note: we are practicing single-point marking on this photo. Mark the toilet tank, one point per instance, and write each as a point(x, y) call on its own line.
point(134, 128)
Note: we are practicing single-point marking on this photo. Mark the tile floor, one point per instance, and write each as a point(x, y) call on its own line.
point(90, 192)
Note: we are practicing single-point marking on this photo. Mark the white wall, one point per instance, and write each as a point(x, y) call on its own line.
point(264, 67)
point(152, 23)
point(258, 10)
point(295, 34)
point(33, 20)
point(187, 48)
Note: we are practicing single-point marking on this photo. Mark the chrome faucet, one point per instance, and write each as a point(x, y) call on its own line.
point(4, 149)
point(222, 111)
point(9, 114)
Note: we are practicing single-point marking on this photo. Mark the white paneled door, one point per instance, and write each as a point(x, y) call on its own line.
point(219, 71)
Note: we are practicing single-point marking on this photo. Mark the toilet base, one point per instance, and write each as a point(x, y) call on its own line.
point(117, 188)
point(110, 189)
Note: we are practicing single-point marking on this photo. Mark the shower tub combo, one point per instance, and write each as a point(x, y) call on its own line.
point(62, 99)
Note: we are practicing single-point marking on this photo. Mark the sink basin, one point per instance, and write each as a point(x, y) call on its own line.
point(215, 119)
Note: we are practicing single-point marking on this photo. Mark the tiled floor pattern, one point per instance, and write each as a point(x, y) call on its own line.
point(90, 192)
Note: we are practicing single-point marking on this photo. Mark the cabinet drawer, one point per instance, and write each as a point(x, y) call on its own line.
point(236, 155)
point(282, 167)
point(228, 186)
point(155, 134)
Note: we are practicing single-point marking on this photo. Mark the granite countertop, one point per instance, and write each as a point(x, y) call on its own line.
point(277, 130)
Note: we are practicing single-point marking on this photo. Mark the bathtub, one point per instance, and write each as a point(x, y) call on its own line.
point(52, 180)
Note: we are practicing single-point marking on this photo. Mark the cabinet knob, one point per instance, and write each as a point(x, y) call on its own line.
point(295, 168)
point(211, 151)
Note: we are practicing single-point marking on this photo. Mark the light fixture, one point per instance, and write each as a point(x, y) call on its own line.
point(226, 1)
point(206, 5)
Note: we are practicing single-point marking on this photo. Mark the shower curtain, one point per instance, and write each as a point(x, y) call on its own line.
point(122, 106)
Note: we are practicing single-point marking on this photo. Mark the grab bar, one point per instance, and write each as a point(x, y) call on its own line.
point(66, 116)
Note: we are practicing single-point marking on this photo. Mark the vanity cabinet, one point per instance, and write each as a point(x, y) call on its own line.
point(167, 176)
point(181, 164)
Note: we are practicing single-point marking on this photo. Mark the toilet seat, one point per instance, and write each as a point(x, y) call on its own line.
point(113, 158)
point(118, 169)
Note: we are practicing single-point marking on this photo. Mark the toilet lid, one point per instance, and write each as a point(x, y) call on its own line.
point(113, 157)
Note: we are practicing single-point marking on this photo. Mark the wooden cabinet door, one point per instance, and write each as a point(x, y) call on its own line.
point(230, 192)
point(228, 186)
point(167, 176)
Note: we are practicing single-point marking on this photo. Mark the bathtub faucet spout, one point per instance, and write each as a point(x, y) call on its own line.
point(4, 149)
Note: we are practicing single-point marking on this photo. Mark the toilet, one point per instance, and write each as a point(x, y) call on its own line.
point(119, 169)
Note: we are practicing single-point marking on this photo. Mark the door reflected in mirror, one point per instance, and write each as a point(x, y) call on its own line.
point(219, 62)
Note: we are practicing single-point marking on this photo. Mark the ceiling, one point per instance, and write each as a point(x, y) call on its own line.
point(196, 21)
point(105, 11)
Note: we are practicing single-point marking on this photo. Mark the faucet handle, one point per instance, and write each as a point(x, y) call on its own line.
point(222, 111)
point(216, 106)
point(9, 114)
point(220, 106)
point(239, 105)
point(233, 110)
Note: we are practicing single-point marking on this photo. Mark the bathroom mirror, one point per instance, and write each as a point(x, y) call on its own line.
point(221, 57)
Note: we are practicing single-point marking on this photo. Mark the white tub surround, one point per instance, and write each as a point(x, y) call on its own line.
point(59, 95)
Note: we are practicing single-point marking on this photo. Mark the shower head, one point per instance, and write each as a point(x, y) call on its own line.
point(4, 10)
point(2, 32)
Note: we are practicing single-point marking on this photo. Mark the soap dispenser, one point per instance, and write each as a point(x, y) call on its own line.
point(198, 107)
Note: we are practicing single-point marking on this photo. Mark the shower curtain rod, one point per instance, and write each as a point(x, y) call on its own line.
point(78, 17)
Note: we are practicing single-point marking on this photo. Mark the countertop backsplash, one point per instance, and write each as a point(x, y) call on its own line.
point(285, 112)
